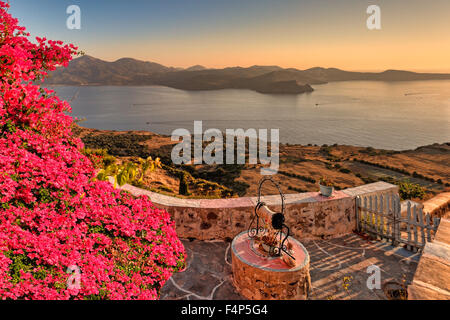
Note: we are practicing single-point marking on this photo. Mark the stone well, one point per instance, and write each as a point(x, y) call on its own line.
point(257, 276)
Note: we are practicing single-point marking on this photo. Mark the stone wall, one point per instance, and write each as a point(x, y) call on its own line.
point(309, 215)
point(432, 278)
point(257, 277)
point(438, 206)
point(372, 189)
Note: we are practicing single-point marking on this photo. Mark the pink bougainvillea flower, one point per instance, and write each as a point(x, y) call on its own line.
point(53, 214)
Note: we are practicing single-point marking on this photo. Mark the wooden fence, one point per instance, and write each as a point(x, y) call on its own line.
point(381, 217)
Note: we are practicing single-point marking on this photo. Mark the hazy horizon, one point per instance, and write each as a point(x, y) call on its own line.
point(217, 34)
point(259, 65)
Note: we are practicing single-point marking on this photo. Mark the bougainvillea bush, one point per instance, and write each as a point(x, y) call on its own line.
point(64, 235)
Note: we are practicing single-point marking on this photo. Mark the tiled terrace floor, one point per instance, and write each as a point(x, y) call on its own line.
point(209, 275)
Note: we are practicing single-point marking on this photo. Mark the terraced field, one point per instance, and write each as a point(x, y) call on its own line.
point(300, 168)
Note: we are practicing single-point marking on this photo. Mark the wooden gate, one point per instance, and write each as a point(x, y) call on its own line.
point(381, 218)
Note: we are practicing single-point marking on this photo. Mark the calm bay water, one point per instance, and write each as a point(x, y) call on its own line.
point(388, 115)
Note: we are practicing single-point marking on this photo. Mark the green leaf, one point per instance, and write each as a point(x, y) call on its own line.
point(122, 178)
point(102, 176)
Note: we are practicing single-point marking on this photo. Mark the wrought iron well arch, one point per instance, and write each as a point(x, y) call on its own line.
point(277, 222)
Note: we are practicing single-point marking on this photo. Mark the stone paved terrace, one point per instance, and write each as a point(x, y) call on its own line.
point(209, 276)
point(338, 257)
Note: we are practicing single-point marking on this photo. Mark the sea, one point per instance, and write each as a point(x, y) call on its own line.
point(386, 115)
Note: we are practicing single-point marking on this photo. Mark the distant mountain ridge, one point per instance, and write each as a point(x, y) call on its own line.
point(88, 70)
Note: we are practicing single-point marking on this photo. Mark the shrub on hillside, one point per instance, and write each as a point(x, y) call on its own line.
point(53, 216)
point(408, 190)
point(345, 170)
point(99, 157)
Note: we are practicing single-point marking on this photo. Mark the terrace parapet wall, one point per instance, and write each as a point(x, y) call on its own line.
point(432, 278)
point(438, 206)
point(372, 189)
point(309, 215)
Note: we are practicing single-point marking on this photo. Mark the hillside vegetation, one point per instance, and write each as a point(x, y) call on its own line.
point(301, 167)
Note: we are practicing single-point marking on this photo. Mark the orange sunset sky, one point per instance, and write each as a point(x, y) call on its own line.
point(415, 34)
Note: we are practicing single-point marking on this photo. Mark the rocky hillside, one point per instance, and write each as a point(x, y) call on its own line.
point(87, 70)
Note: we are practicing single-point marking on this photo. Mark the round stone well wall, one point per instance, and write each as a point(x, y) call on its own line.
point(259, 277)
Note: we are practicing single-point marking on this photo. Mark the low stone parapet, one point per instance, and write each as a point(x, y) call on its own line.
point(438, 206)
point(432, 278)
point(372, 189)
point(309, 214)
